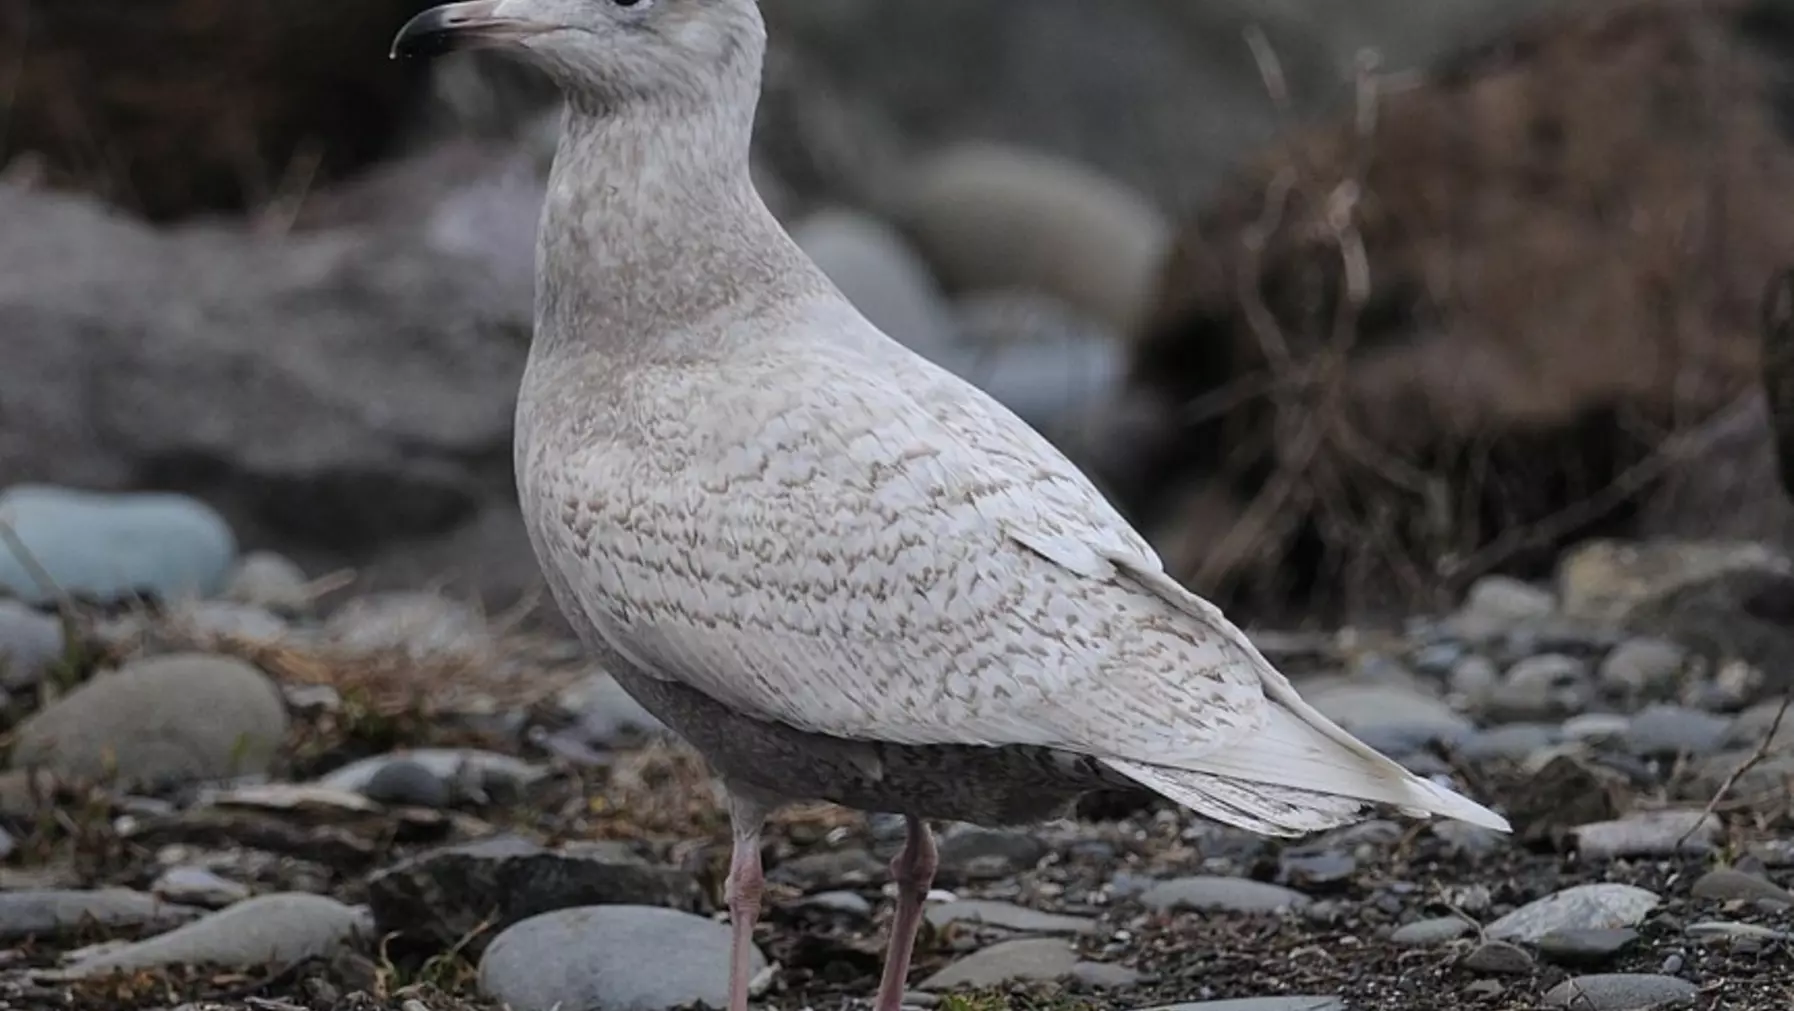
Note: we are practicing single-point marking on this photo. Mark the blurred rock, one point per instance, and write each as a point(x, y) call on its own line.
point(167, 720)
point(169, 107)
point(110, 548)
point(30, 643)
point(994, 218)
point(1050, 364)
point(265, 579)
point(270, 930)
point(50, 915)
point(881, 275)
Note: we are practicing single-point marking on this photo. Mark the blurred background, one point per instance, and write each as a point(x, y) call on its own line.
point(1347, 304)
point(1448, 344)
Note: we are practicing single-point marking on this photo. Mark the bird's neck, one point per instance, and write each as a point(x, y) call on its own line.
point(651, 228)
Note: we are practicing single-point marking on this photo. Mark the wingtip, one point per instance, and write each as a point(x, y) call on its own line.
point(1447, 803)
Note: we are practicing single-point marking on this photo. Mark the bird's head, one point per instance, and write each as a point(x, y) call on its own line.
point(610, 52)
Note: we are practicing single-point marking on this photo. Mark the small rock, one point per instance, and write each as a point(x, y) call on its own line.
point(1237, 895)
point(1544, 687)
point(1317, 871)
point(1596, 727)
point(1648, 834)
point(844, 868)
point(628, 958)
point(268, 580)
point(422, 626)
point(1495, 605)
point(1514, 742)
point(461, 766)
point(1667, 731)
point(405, 782)
point(1474, 678)
point(30, 644)
point(1260, 1004)
point(973, 853)
point(608, 715)
point(1037, 357)
point(1394, 714)
point(1584, 907)
point(204, 620)
point(1622, 992)
point(1725, 884)
point(177, 718)
point(1604, 581)
point(54, 913)
point(1585, 947)
point(839, 902)
point(1727, 931)
point(1028, 959)
point(886, 280)
point(1105, 975)
point(1499, 958)
point(1643, 668)
point(446, 895)
point(1008, 916)
point(196, 886)
point(273, 929)
point(993, 218)
point(1432, 932)
point(1463, 840)
point(111, 547)
point(1752, 727)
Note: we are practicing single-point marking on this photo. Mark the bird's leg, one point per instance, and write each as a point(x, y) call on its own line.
point(744, 887)
point(913, 870)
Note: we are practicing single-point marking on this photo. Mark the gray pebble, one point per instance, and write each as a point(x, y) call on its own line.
point(1237, 895)
point(1648, 834)
point(1401, 718)
point(975, 853)
point(451, 765)
point(1544, 687)
point(626, 958)
point(1514, 742)
point(268, 580)
point(30, 644)
point(1667, 731)
point(196, 886)
point(1008, 916)
point(1474, 677)
point(608, 716)
point(53, 913)
point(272, 929)
point(1585, 947)
point(1028, 959)
point(1496, 604)
point(837, 902)
point(1642, 668)
point(881, 275)
point(1604, 905)
point(1432, 932)
point(405, 782)
point(178, 718)
point(1498, 958)
point(1260, 1004)
point(1622, 992)
point(1726, 884)
point(112, 547)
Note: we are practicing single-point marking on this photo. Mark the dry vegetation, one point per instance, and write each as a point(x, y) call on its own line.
point(1474, 318)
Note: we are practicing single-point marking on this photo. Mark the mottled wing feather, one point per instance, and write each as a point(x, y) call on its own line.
point(878, 560)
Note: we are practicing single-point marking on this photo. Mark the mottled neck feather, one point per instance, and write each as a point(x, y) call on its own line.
point(652, 232)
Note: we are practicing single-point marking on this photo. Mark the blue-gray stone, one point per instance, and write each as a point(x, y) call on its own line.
point(109, 547)
point(271, 930)
point(1622, 992)
point(30, 644)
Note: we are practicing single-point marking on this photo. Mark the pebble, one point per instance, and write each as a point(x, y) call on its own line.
point(830, 869)
point(201, 620)
point(407, 782)
point(1037, 357)
point(1474, 678)
point(30, 644)
point(1585, 947)
point(1752, 727)
point(1648, 834)
point(1260, 1004)
point(1592, 727)
point(270, 581)
point(1008, 916)
point(638, 958)
point(1027, 959)
point(1431, 932)
point(1725, 884)
point(1584, 907)
point(1317, 871)
point(47, 914)
point(1497, 604)
point(1642, 668)
point(272, 929)
point(1604, 580)
point(450, 765)
point(1238, 895)
point(971, 852)
point(1514, 742)
point(447, 894)
point(1665, 731)
point(1543, 687)
point(1622, 992)
point(196, 886)
point(840, 901)
point(885, 279)
point(1400, 718)
point(608, 716)
point(991, 217)
point(177, 718)
point(1498, 958)
point(1106, 975)
point(111, 547)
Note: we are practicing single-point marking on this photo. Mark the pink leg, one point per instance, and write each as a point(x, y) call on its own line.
point(913, 870)
point(745, 885)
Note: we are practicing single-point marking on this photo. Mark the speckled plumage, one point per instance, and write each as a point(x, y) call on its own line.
point(836, 569)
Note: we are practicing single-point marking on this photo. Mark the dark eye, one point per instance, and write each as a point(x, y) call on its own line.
point(630, 3)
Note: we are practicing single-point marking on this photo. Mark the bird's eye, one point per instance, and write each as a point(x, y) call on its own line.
point(633, 3)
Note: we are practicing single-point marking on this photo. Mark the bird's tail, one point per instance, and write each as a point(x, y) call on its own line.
point(1300, 773)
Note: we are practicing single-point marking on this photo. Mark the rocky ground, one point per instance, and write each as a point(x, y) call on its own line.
point(268, 794)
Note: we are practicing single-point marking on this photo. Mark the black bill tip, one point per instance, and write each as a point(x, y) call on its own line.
point(437, 31)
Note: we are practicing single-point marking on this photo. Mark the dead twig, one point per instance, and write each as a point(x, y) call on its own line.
point(1750, 762)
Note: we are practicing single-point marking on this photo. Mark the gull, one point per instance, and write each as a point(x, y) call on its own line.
point(835, 569)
